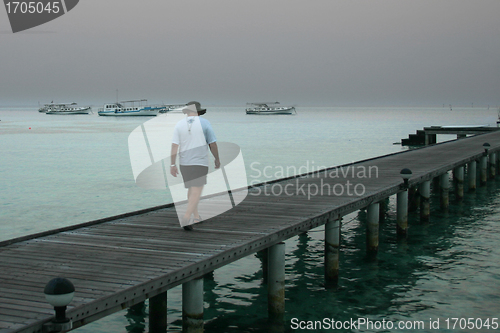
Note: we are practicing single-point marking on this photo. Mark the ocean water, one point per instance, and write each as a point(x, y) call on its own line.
point(63, 170)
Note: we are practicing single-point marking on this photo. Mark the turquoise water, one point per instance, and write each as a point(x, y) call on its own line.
point(71, 169)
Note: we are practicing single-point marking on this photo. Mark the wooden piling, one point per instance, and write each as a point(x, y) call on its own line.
point(425, 194)
point(192, 306)
point(483, 170)
point(459, 183)
point(471, 175)
point(276, 283)
point(158, 313)
point(444, 184)
point(493, 165)
point(402, 213)
point(372, 228)
point(332, 252)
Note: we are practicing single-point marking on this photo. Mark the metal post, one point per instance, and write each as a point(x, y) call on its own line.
point(459, 178)
point(484, 170)
point(402, 213)
point(372, 228)
point(493, 165)
point(332, 252)
point(471, 175)
point(444, 184)
point(192, 306)
point(276, 283)
point(425, 195)
point(158, 313)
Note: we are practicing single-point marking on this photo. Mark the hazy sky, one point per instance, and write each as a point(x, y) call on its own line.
point(229, 52)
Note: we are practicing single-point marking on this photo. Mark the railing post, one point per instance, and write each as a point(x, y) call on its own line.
point(276, 283)
point(158, 313)
point(332, 252)
point(192, 306)
point(444, 184)
point(471, 175)
point(459, 178)
point(402, 213)
point(372, 227)
point(425, 195)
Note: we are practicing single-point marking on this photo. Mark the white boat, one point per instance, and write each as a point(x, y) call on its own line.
point(174, 108)
point(131, 108)
point(65, 108)
point(269, 108)
point(43, 108)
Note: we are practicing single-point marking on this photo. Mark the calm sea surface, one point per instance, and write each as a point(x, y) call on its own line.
point(63, 170)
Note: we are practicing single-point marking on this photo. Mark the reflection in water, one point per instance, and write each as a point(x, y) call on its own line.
point(136, 316)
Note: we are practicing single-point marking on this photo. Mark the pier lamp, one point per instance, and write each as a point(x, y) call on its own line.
point(405, 174)
point(486, 147)
point(59, 293)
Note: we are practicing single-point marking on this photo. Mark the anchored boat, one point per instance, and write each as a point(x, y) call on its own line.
point(131, 108)
point(65, 108)
point(269, 108)
point(175, 108)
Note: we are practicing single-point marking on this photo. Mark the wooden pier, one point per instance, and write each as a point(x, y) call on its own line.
point(121, 261)
point(428, 135)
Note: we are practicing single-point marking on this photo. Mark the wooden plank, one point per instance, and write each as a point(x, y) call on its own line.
point(79, 251)
point(24, 307)
point(33, 297)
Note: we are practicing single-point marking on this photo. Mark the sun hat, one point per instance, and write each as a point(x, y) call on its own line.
point(194, 107)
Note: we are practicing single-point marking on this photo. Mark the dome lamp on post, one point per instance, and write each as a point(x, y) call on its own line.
point(406, 175)
point(59, 293)
point(486, 147)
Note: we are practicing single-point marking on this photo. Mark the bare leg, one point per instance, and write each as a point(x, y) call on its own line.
point(196, 215)
point(194, 195)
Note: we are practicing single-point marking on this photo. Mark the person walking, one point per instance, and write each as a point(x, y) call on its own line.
point(193, 137)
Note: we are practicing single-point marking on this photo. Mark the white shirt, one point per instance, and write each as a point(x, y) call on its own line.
point(193, 135)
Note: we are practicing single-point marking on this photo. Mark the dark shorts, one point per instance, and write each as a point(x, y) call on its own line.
point(194, 175)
